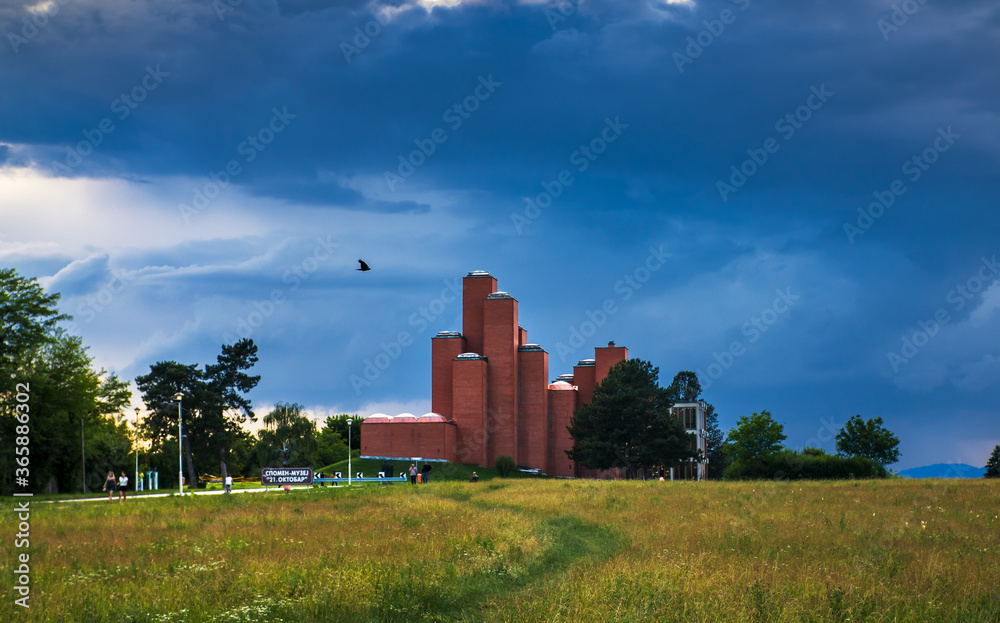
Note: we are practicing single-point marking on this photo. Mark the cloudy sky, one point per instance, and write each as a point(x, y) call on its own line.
point(795, 199)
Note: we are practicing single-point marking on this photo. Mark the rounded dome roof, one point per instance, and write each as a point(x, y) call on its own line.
point(563, 385)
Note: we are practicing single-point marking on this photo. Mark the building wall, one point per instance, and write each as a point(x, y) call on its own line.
point(533, 408)
point(476, 286)
point(585, 379)
point(606, 357)
point(500, 336)
point(469, 410)
point(429, 440)
point(444, 348)
point(562, 401)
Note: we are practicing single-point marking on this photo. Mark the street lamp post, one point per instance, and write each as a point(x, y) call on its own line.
point(136, 486)
point(349, 473)
point(180, 442)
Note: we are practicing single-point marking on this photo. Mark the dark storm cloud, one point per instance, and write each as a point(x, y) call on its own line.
point(358, 117)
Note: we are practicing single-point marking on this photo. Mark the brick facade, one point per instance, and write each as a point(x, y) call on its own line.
point(490, 393)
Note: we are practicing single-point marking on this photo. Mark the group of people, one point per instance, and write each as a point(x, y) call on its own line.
point(110, 484)
point(425, 473)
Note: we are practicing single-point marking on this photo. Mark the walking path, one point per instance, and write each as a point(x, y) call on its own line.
point(167, 494)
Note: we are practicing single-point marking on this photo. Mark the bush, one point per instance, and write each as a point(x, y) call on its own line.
point(505, 465)
point(810, 464)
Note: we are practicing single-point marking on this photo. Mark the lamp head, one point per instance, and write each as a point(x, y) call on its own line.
point(349, 421)
point(178, 396)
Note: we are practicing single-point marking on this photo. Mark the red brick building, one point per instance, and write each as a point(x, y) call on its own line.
point(490, 394)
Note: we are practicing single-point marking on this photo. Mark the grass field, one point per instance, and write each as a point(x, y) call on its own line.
point(523, 550)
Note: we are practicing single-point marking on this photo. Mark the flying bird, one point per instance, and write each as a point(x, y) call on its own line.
point(363, 265)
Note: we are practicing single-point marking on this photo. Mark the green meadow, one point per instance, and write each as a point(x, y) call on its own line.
point(523, 550)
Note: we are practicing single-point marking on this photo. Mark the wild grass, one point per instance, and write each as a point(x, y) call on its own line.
point(524, 550)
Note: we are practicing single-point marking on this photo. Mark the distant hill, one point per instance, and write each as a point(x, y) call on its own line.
point(944, 470)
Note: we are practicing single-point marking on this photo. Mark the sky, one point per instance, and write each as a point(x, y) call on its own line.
point(797, 200)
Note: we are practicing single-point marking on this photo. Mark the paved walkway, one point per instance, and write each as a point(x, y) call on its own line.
point(144, 495)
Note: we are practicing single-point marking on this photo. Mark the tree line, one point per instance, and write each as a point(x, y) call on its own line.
point(77, 419)
point(629, 425)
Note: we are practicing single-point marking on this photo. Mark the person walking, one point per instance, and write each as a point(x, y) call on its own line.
point(413, 473)
point(109, 485)
point(122, 486)
point(229, 483)
point(425, 473)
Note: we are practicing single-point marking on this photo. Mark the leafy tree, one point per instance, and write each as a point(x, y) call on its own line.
point(755, 438)
point(338, 424)
point(332, 448)
point(868, 438)
point(288, 438)
point(64, 391)
point(993, 464)
point(685, 387)
point(28, 320)
point(715, 441)
point(214, 405)
point(228, 407)
point(628, 423)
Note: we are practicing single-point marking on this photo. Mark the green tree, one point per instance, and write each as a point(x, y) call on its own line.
point(288, 438)
point(685, 387)
point(868, 438)
point(755, 438)
point(332, 448)
point(993, 464)
point(228, 407)
point(28, 320)
point(66, 394)
point(338, 424)
point(628, 423)
point(214, 405)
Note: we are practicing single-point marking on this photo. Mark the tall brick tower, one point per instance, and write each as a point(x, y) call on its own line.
point(490, 393)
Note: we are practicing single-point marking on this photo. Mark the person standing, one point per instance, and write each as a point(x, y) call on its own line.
point(138, 483)
point(109, 485)
point(413, 473)
point(425, 473)
point(229, 483)
point(122, 486)
point(475, 477)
